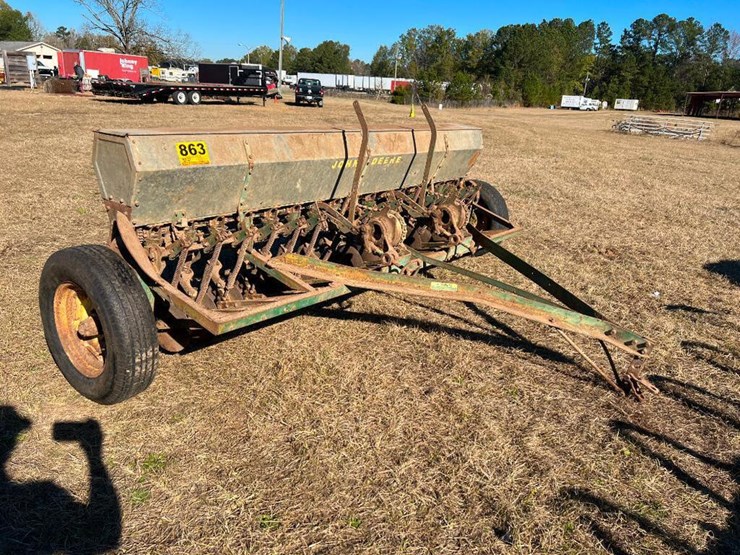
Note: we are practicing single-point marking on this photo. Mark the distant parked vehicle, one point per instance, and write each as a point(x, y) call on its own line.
point(590, 105)
point(45, 72)
point(216, 81)
point(582, 103)
point(626, 104)
point(571, 101)
point(309, 91)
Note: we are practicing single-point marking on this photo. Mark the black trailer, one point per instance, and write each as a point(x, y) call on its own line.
point(218, 81)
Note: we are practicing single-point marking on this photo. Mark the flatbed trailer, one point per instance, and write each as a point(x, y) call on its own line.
point(180, 93)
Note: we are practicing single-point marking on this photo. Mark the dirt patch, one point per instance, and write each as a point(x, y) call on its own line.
point(398, 426)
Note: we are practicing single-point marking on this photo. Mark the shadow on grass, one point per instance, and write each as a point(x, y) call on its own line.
point(122, 100)
point(673, 387)
point(687, 308)
point(606, 537)
point(705, 352)
point(301, 105)
point(725, 537)
point(507, 337)
point(501, 335)
point(329, 309)
point(729, 269)
point(492, 337)
point(41, 517)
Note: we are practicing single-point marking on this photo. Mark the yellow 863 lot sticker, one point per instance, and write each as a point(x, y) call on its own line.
point(194, 153)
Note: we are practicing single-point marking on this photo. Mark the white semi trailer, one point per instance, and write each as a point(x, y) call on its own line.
point(626, 104)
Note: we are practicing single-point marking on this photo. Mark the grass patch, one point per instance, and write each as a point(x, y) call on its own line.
point(269, 522)
point(154, 463)
point(140, 495)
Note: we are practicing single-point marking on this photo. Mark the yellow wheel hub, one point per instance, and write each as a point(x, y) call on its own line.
point(79, 329)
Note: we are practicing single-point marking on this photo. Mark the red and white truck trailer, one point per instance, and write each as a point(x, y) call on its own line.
point(98, 64)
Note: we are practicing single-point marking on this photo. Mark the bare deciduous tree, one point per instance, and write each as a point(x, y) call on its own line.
point(35, 26)
point(124, 21)
point(733, 46)
point(118, 18)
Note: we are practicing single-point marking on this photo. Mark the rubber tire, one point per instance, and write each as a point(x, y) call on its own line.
point(320, 104)
point(179, 97)
point(125, 315)
point(493, 201)
point(194, 97)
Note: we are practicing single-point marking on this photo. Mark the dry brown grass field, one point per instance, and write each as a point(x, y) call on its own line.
point(397, 425)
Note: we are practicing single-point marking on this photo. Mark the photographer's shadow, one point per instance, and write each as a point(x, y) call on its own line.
point(42, 517)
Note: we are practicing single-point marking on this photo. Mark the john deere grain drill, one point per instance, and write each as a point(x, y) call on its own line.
point(215, 231)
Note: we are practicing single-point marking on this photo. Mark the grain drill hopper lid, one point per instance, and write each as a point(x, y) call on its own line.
point(180, 131)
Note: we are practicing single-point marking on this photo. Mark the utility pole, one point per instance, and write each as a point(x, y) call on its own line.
point(280, 55)
point(585, 83)
point(247, 48)
point(395, 70)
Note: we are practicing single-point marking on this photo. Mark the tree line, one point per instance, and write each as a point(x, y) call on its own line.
point(17, 26)
point(327, 57)
point(656, 61)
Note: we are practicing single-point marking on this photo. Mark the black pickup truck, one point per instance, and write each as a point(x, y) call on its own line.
point(309, 91)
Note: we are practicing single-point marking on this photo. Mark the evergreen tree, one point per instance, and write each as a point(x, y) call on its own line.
point(331, 57)
point(383, 62)
point(13, 24)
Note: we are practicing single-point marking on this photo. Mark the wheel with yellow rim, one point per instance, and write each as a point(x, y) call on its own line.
point(98, 323)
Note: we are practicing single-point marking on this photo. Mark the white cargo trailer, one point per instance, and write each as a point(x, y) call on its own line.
point(328, 80)
point(571, 101)
point(626, 104)
point(351, 82)
point(344, 81)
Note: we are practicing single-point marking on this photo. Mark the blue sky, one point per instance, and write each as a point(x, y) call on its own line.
point(219, 26)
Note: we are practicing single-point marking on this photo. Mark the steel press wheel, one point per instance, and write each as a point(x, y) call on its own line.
point(180, 97)
point(98, 323)
point(194, 97)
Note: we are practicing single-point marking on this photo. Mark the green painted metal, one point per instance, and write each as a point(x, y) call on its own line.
point(478, 277)
point(251, 170)
point(533, 274)
point(537, 309)
point(147, 290)
point(263, 265)
point(548, 284)
point(270, 313)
